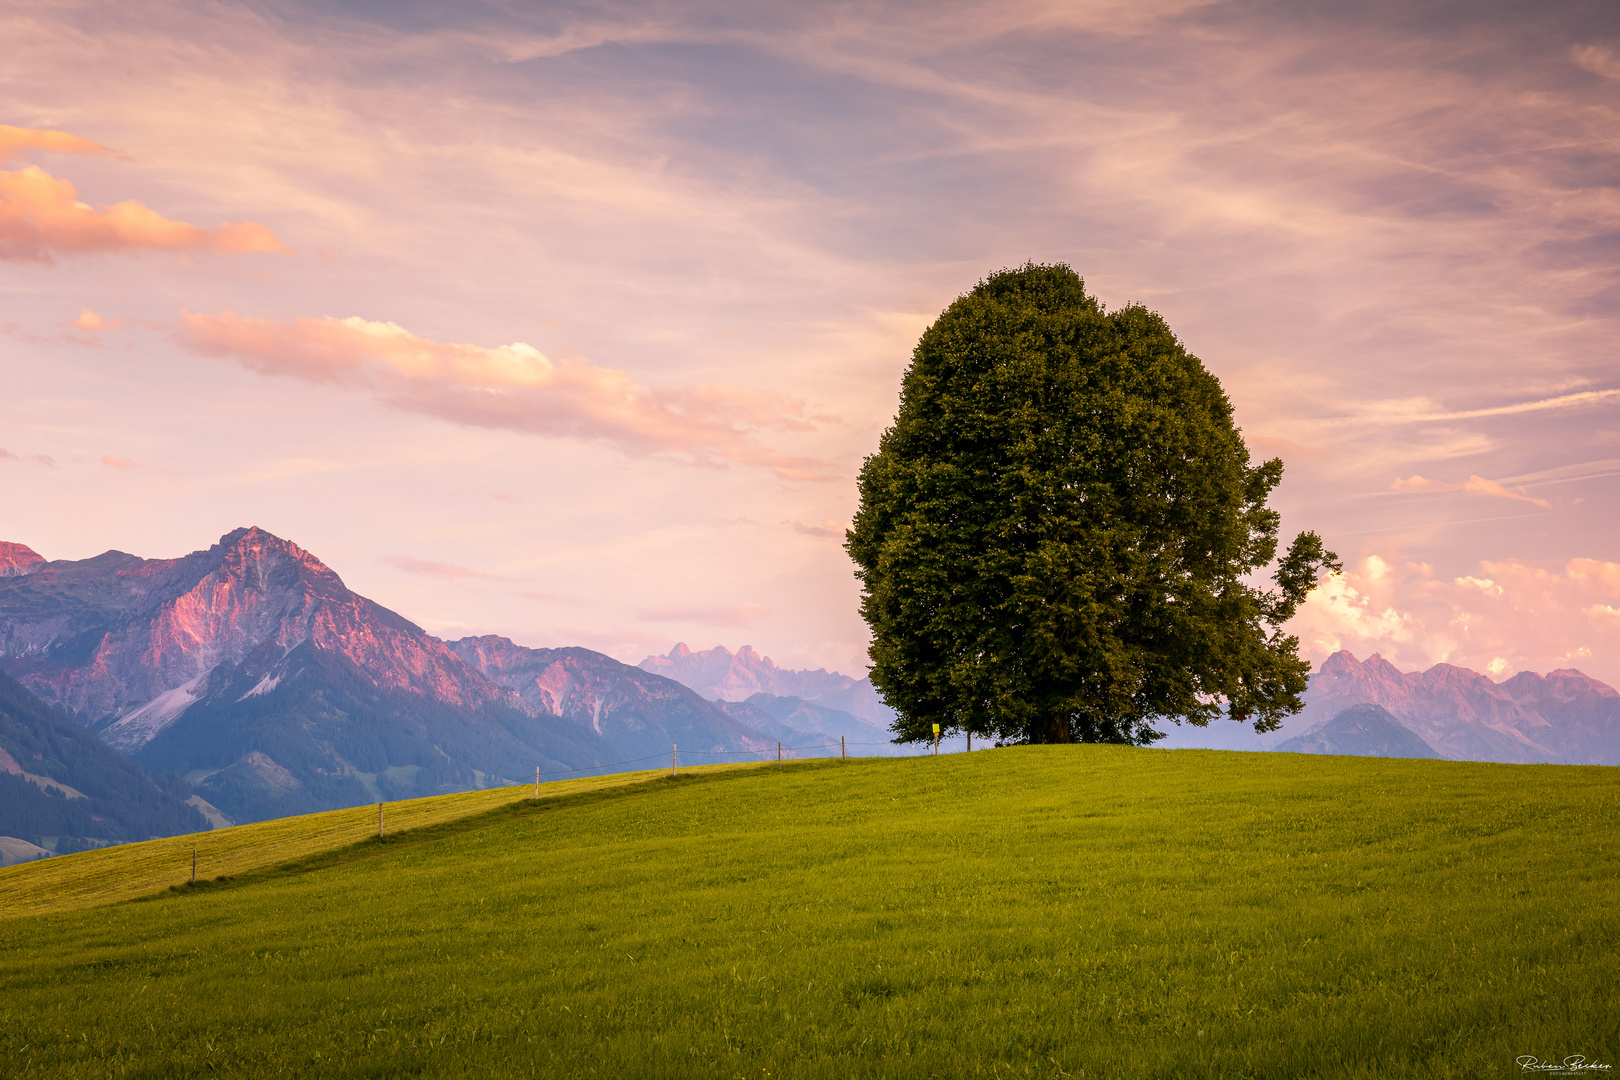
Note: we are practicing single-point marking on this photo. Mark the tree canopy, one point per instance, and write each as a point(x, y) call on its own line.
point(1054, 536)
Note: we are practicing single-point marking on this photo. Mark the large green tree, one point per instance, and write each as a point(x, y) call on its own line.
point(1057, 537)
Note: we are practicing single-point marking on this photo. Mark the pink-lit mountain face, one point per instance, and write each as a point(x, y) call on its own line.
point(636, 710)
point(131, 641)
point(16, 560)
point(254, 672)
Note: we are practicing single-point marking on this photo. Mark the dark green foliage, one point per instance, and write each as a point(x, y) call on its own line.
point(123, 801)
point(1054, 535)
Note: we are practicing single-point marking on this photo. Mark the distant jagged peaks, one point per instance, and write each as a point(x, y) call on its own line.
point(17, 560)
point(722, 675)
point(1564, 716)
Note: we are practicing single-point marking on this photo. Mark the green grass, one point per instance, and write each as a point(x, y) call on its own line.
point(1083, 911)
point(94, 878)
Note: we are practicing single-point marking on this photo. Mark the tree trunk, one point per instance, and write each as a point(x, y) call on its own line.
point(1051, 729)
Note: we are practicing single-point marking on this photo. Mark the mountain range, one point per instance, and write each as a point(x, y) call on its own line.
point(246, 681)
point(722, 675)
point(1563, 717)
point(251, 671)
point(750, 687)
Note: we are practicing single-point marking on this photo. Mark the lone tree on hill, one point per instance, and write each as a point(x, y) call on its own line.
point(1054, 535)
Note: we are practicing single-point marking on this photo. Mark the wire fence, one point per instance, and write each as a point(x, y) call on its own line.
point(678, 756)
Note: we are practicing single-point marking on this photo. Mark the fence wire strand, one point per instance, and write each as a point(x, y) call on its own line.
point(703, 753)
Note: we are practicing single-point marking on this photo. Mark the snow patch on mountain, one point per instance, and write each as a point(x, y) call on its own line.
point(264, 686)
point(134, 730)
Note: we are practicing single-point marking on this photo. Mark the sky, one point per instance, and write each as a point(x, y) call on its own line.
point(574, 322)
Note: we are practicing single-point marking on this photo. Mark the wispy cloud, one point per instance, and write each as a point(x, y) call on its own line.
point(1478, 485)
point(123, 464)
point(432, 568)
point(33, 459)
point(513, 387)
point(733, 616)
point(1474, 485)
point(1598, 59)
point(827, 530)
point(1421, 411)
point(14, 140)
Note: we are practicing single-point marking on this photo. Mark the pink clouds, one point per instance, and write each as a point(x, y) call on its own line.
point(1596, 59)
point(91, 322)
point(827, 530)
point(41, 217)
point(122, 463)
point(1511, 616)
point(439, 569)
point(1474, 485)
point(14, 140)
point(1390, 236)
point(512, 387)
point(734, 615)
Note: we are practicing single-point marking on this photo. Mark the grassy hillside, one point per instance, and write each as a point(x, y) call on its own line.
point(97, 878)
point(1075, 911)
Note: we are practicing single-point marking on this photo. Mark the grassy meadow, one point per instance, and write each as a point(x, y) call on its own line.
point(1037, 911)
point(96, 878)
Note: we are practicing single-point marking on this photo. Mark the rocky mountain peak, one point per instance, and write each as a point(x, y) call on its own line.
point(131, 642)
point(251, 552)
point(17, 560)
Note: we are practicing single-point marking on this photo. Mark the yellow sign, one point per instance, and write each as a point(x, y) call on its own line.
point(936, 729)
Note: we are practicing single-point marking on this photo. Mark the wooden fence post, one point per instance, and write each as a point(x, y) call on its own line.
point(841, 754)
point(379, 821)
point(674, 758)
point(537, 781)
point(779, 754)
